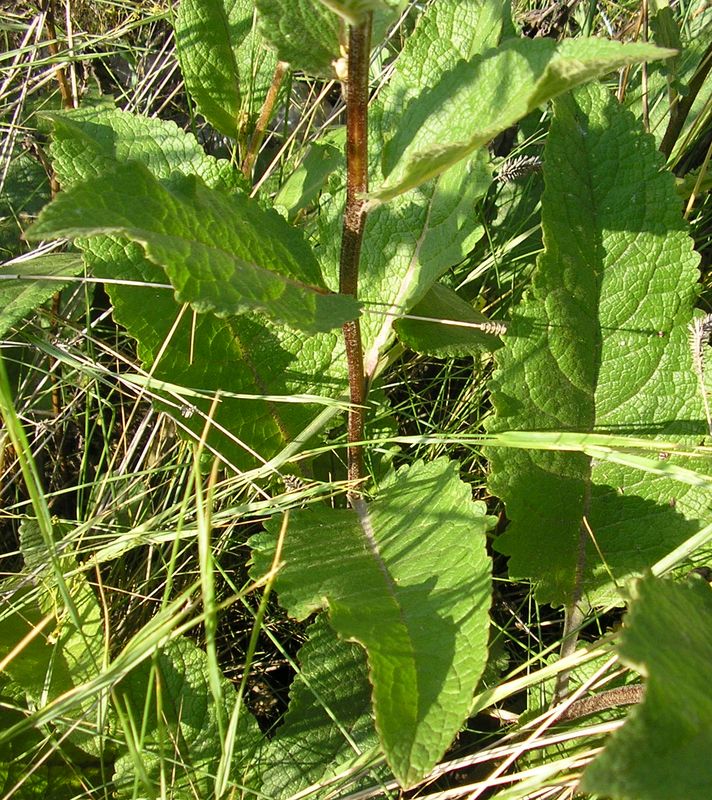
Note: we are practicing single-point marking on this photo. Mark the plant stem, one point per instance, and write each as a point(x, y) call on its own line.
point(263, 119)
point(354, 223)
point(681, 106)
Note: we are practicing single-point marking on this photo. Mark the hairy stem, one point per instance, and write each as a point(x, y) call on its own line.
point(612, 698)
point(354, 222)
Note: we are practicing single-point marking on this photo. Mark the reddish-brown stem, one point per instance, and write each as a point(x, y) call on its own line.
point(354, 222)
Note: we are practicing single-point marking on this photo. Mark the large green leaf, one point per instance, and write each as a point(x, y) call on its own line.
point(223, 254)
point(90, 141)
point(22, 288)
point(328, 724)
point(304, 32)
point(478, 98)
point(600, 344)
point(226, 67)
point(169, 701)
point(240, 354)
point(660, 751)
point(408, 579)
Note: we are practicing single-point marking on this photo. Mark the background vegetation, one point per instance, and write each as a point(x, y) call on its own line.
point(142, 650)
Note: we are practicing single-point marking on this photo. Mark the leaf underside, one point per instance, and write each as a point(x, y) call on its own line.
point(443, 337)
point(600, 344)
point(408, 579)
point(410, 242)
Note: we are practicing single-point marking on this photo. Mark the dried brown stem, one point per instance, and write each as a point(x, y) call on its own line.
point(352, 236)
point(59, 71)
point(263, 119)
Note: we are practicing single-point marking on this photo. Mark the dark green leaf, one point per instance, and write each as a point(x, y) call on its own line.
point(226, 67)
point(22, 288)
point(304, 184)
point(441, 338)
point(179, 725)
point(329, 721)
point(304, 32)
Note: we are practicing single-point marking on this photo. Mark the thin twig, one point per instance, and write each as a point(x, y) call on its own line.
point(263, 119)
point(59, 71)
point(681, 108)
point(68, 102)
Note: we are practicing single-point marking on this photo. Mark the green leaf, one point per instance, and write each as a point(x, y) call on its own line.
point(448, 32)
point(90, 141)
point(600, 345)
point(304, 184)
point(444, 337)
point(25, 190)
point(222, 254)
point(169, 703)
point(304, 32)
point(408, 579)
point(411, 242)
point(479, 98)
point(68, 650)
point(22, 288)
point(240, 354)
point(328, 723)
point(223, 59)
point(657, 754)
